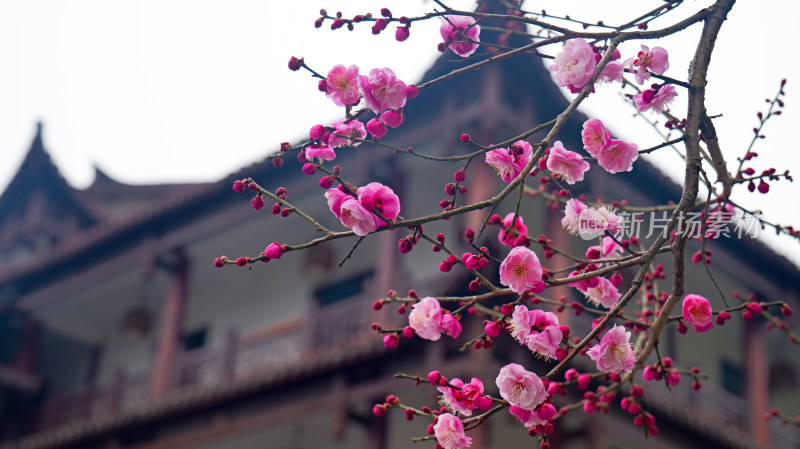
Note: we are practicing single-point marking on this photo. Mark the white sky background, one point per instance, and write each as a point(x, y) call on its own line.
point(181, 91)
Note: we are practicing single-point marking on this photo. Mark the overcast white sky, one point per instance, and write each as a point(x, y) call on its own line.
point(179, 91)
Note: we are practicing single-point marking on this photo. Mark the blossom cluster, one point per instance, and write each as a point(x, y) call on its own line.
point(359, 212)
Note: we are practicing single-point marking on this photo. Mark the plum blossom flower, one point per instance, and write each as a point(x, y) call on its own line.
point(536, 329)
point(449, 432)
point(545, 343)
point(657, 102)
point(426, 318)
point(521, 388)
point(376, 196)
point(648, 61)
point(609, 249)
point(572, 212)
point(517, 230)
point(462, 401)
point(382, 90)
point(566, 165)
point(589, 222)
point(533, 418)
point(613, 70)
point(320, 151)
point(618, 156)
point(335, 198)
point(574, 66)
point(460, 33)
point(356, 217)
point(697, 311)
point(344, 133)
point(604, 294)
point(521, 270)
point(450, 326)
point(510, 162)
point(342, 85)
point(614, 353)
point(595, 137)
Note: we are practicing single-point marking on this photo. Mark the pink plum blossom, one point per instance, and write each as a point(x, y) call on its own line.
point(614, 353)
point(392, 119)
point(453, 32)
point(510, 162)
point(521, 388)
point(520, 270)
point(426, 318)
point(574, 66)
point(566, 165)
point(609, 249)
point(612, 72)
point(320, 151)
point(697, 311)
point(618, 156)
point(462, 401)
point(335, 198)
point(342, 85)
point(528, 418)
point(382, 90)
point(648, 61)
point(545, 343)
point(450, 326)
point(572, 212)
point(518, 229)
point(376, 196)
point(357, 217)
point(344, 133)
point(449, 432)
point(657, 102)
point(376, 128)
point(604, 294)
point(595, 137)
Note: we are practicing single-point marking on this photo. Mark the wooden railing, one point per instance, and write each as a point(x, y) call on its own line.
point(346, 323)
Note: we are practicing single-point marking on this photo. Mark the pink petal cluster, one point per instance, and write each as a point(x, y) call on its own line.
point(460, 34)
point(519, 229)
point(613, 70)
point(657, 102)
point(534, 418)
point(511, 161)
point(462, 401)
point(609, 249)
point(619, 156)
point(357, 214)
point(382, 90)
point(521, 388)
point(572, 212)
point(426, 318)
point(320, 151)
point(613, 155)
point(614, 353)
point(595, 137)
point(449, 432)
point(376, 196)
point(344, 133)
point(566, 165)
point(574, 66)
point(697, 312)
point(605, 293)
point(521, 271)
point(536, 329)
point(589, 222)
point(648, 61)
point(430, 321)
point(342, 85)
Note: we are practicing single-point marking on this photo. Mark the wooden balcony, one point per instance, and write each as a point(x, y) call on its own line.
point(277, 349)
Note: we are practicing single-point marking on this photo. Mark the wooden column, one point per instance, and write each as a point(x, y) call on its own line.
point(171, 328)
point(757, 376)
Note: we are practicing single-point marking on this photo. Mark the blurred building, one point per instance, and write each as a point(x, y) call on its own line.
point(117, 331)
